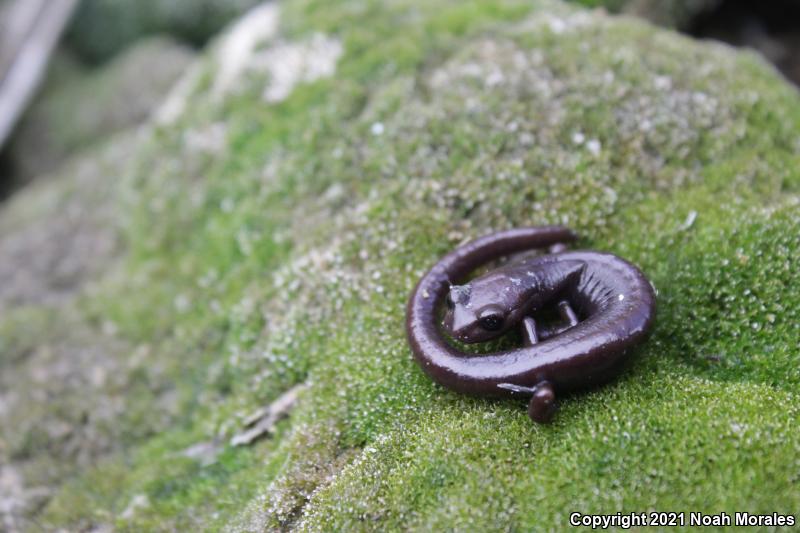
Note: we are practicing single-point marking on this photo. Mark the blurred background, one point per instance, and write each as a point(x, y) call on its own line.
point(75, 71)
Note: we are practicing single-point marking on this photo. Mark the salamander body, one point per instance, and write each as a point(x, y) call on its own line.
point(606, 304)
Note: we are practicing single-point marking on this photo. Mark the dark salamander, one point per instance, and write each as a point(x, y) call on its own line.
point(606, 304)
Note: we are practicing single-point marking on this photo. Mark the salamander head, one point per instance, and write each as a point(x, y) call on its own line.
point(491, 304)
point(481, 310)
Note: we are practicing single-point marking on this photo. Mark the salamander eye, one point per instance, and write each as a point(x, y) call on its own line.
point(491, 321)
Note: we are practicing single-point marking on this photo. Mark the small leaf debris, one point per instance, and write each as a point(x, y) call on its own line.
point(262, 422)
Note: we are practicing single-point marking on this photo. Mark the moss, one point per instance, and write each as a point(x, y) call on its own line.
point(175, 489)
point(481, 466)
point(270, 244)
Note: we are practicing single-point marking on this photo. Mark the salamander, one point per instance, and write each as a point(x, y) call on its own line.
point(606, 304)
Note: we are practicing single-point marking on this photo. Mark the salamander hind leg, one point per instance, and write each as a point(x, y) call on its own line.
point(542, 406)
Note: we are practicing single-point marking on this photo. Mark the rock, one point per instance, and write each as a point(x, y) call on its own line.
point(54, 238)
point(103, 28)
point(29, 31)
point(78, 108)
point(671, 13)
point(677, 14)
point(16, 500)
point(243, 61)
point(270, 242)
point(756, 25)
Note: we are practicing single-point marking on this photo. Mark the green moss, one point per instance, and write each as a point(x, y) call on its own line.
point(283, 250)
point(166, 483)
point(481, 466)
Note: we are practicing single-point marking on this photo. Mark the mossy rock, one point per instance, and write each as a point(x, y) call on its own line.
point(272, 241)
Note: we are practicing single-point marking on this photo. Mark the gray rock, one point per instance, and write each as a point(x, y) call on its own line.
point(29, 31)
point(102, 28)
point(77, 108)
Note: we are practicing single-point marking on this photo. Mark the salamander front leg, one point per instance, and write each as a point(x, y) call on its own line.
point(567, 314)
point(542, 406)
point(568, 319)
point(529, 331)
